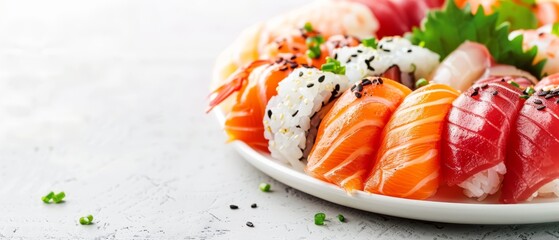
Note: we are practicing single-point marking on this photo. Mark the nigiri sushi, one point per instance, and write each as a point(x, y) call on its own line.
point(548, 81)
point(547, 44)
point(475, 136)
point(463, 66)
point(532, 162)
point(391, 53)
point(295, 111)
point(332, 17)
point(522, 78)
point(257, 83)
point(349, 133)
point(407, 164)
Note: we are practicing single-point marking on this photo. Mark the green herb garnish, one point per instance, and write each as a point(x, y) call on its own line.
point(555, 29)
point(264, 187)
point(421, 82)
point(319, 218)
point(87, 220)
point(530, 90)
point(524, 96)
point(517, 15)
point(333, 66)
point(341, 218)
point(514, 84)
point(370, 42)
point(58, 198)
point(313, 52)
point(444, 30)
point(308, 27)
point(48, 197)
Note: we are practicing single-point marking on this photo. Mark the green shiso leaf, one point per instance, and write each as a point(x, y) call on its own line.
point(444, 30)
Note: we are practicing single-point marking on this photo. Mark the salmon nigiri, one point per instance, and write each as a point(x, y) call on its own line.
point(348, 135)
point(407, 163)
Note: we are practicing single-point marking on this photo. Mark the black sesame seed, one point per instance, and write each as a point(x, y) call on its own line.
point(336, 56)
point(250, 224)
point(502, 80)
point(279, 60)
point(348, 61)
point(380, 81)
point(358, 95)
point(310, 85)
point(543, 93)
point(386, 50)
point(541, 107)
point(494, 93)
point(295, 113)
point(537, 101)
point(484, 86)
point(293, 57)
point(337, 87)
point(254, 205)
point(476, 89)
point(474, 93)
point(353, 55)
point(298, 126)
point(300, 74)
point(359, 51)
point(380, 46)
point(548, 96)
point(409, 50)
point(365, 82)
point(359, 87)
point(321, 78)
point(294, 65)
point(353, 88)
point(283, 68)
point(371, 58)
point(557, 100)
point(233, 207)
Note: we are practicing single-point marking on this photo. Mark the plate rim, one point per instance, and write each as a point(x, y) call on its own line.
point(426, 210)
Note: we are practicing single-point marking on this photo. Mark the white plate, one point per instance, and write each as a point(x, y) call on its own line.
point(468, 211)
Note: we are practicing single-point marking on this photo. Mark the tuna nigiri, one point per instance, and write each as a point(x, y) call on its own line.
point(475, 136)
point(407, 163)
point(532, 162)
point(348, 136)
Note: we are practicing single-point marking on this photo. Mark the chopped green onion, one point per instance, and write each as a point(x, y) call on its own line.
point(333, 66)
point(319, 218)
point(421, 82)
point(58, 197)
point(308, 27)
point(514, 83)
point(530, 90)
point(524, 96)
point(317, 40)
point(264, 187)
point(48, 197)
point(341, 218)
point(422, 44)
point(370, 42)
point(555, 29)
point(87, 220)
point(313, 52)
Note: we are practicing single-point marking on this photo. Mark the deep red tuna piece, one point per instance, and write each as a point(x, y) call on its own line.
point(533, 150)
point(551, 80)
point(477, 129)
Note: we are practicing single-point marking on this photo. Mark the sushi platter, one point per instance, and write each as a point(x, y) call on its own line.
point(434, 110)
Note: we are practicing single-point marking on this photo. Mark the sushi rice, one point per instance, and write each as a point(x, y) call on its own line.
point(484, 183)
point(289, 117)
point(550, 189)
point(361, 61)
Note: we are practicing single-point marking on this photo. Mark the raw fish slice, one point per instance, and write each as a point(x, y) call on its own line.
point(523, 78)
point(348, 136)
point(463, 66)
point(407, 163)
point(551, 80)
point(475, 136)
point(532, 161)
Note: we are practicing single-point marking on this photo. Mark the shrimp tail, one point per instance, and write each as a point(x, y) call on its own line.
point(234, 83)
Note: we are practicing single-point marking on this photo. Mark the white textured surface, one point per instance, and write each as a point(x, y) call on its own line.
point(104, 100)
